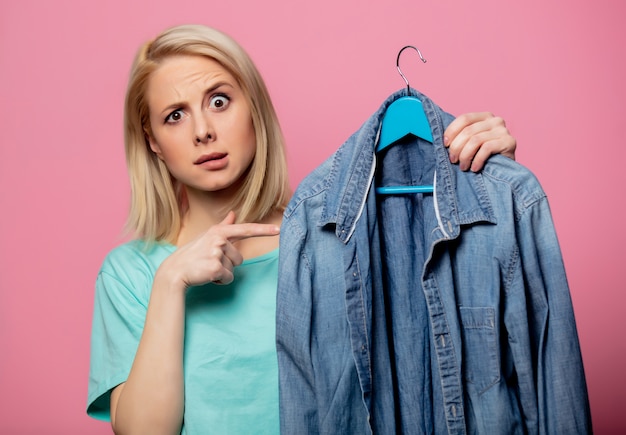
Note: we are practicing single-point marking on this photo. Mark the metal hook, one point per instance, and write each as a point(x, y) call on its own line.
point(408, 88)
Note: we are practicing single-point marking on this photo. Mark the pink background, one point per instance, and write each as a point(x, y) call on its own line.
point(555, 70)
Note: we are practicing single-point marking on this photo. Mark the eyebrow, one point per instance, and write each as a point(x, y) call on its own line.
point(210, 90)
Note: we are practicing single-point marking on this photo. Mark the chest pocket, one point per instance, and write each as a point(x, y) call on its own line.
point(481, 362)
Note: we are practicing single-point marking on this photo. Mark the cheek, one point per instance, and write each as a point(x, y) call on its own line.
point(251, 134)
point(168, 144)
point(243, 134)
point(250, 140)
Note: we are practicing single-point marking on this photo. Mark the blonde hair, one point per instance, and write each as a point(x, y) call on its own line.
point(157, 199)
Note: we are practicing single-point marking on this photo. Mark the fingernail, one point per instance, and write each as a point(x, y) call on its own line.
point(446, 140)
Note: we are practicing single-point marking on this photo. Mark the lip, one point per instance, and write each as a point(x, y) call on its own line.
point(212, 162)
point(209, 158)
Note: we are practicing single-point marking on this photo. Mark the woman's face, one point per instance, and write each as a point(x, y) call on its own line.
point(201, 123)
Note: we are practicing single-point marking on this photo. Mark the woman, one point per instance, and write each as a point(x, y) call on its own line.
point(183, 329)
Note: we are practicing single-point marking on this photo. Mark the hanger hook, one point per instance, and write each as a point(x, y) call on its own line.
point(408, 88)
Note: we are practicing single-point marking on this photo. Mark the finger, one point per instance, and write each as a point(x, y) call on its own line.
point(227, 278)
point(215, 262)
point(236, 232)
point(231, 231)
point(461, 122)
point(229, 219)
point(466, 142)
point(469, 151)
point(219, 267)
point(471, 138)
point(481, 145)
point(508, 146)
point(227, 275)
point(232, 255)
point(480, 158)
point(486, 145)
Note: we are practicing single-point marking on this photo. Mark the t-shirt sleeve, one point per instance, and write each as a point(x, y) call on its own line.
point(118, 319)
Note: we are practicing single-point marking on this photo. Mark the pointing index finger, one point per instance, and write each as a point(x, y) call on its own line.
point(236, 232)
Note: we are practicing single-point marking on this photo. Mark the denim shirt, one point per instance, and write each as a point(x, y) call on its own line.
point(439, 313)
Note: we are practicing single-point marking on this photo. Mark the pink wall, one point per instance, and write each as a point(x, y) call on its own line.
point(554, 70)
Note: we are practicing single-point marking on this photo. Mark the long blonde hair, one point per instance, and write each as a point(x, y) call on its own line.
point(157, 199)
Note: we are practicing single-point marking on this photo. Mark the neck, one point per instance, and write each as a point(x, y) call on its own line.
point(210, 208)
point(205, 209)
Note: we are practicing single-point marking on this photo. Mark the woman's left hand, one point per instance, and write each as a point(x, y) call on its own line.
point(473, 137)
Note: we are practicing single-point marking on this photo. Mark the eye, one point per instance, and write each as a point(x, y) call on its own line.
point(219, 102)
point(174, 117)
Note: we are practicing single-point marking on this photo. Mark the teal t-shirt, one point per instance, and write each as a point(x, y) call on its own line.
point(230, 363)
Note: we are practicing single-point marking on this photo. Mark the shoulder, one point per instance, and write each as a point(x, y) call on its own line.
point(133, 253)
point(314, 184)
point(317, 192)
point(134, 263)
point(518, 179)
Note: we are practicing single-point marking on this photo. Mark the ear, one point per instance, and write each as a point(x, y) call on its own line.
point(154, 146)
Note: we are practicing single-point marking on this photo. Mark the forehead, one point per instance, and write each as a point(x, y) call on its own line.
point(179, 76)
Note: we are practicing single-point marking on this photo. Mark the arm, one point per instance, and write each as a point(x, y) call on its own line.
point(473, 137)
point(151, 400)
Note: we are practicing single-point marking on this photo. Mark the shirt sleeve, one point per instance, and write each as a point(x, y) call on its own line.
point(298, 411)
point(551, 368)
point(118, 320)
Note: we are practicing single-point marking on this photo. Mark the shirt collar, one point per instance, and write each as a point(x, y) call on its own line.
point(349, 182)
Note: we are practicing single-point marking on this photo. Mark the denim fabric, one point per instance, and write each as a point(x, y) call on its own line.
point(443, 313)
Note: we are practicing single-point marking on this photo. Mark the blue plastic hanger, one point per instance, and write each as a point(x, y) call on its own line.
point(403, 117)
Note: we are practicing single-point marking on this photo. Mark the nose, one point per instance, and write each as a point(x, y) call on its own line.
point(203, 131)
point(205, 139)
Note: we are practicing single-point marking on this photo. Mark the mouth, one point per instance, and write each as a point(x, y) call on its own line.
point(210, 157)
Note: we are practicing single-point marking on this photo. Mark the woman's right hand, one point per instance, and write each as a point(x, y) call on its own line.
point(212, 256)
point(151, 400)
